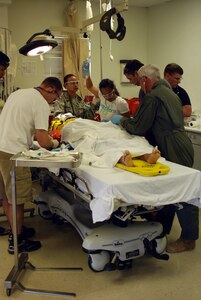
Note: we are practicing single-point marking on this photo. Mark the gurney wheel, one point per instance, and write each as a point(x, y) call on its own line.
point(58, 220)
point(98, 261)
point(45, 214)
point(8, 292)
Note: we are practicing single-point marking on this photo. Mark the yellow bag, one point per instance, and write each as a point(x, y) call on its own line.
point(143, 168)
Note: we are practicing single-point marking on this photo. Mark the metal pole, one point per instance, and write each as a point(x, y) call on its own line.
point(14, 209)
point(100, 38)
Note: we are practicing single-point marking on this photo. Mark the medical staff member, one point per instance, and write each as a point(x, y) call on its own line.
point(131, 71)
point(71, 102)
point(25, 115)
point(4, 64)
point(160, 119)
point(110, 101)
point(173, 74)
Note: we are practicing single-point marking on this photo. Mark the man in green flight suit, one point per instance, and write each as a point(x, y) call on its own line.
point(160, 119)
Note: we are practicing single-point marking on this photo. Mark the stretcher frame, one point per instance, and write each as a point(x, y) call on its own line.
point(21, 262)
point(93, 181)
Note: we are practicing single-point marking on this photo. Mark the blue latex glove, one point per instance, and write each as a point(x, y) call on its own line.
point(85, 68)
point(116, 119)
point(105, 121)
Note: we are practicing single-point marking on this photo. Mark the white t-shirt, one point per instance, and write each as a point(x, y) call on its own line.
point(25, 111)
point(108, 109)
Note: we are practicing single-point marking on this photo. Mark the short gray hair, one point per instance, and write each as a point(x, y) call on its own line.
point(150, 71)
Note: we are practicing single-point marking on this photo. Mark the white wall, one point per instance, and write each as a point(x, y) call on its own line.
point(165, 33)
point(174, 36)
point(4, 16)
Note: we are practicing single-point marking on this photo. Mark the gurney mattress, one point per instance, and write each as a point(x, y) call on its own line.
point(181, 184)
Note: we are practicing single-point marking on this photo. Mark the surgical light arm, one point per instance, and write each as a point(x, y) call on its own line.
point(119, 8)
point(123, 6)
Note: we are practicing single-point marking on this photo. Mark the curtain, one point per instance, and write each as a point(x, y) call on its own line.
point(75, 51)
point(75, 48)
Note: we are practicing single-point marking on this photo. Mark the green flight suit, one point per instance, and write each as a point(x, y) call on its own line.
point(160, 119)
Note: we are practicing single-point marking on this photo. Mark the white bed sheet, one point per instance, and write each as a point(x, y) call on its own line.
point(181, 184)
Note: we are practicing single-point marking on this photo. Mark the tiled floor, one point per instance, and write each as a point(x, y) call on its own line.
point(149, 278)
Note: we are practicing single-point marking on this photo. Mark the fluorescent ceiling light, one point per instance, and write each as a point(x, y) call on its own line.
point(39, 43)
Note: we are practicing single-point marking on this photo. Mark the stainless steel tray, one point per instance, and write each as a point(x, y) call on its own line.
point(23, 161)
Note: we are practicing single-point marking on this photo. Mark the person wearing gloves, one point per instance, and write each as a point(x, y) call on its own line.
point(24, 116)
point(107, 96)
point(131, 71)
point(160, 119)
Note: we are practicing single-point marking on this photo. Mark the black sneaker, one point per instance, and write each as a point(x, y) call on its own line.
point(27, 233)
point(23, 245)
point(4, 231)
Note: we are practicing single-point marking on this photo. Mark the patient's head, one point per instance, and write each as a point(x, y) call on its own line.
point(108, 89)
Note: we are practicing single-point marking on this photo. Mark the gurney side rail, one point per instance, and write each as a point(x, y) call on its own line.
point(84, 196)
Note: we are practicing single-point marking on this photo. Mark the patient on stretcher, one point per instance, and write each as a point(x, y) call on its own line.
point(104, 145)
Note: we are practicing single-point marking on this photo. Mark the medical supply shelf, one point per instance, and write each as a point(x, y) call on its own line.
point(21, 262)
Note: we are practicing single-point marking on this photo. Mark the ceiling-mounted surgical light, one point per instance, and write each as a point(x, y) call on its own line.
point(39, 43)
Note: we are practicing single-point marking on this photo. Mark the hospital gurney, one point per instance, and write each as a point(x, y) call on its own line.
point(103, 205)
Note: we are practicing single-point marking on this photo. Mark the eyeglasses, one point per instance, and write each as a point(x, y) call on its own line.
point(72, 82)
point(52, 92)
point(109, 95)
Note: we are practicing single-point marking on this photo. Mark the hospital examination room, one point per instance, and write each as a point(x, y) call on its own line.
point(100, 142)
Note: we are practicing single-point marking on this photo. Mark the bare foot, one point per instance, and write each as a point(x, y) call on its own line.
point(126, 159)
point(154, 156)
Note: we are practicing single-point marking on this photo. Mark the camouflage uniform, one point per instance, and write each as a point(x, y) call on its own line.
point(76, 106)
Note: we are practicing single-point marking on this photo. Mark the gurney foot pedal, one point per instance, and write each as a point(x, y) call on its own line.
point(119, 265)
point(114, 264)
point(110, 267)
point(123, 265)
